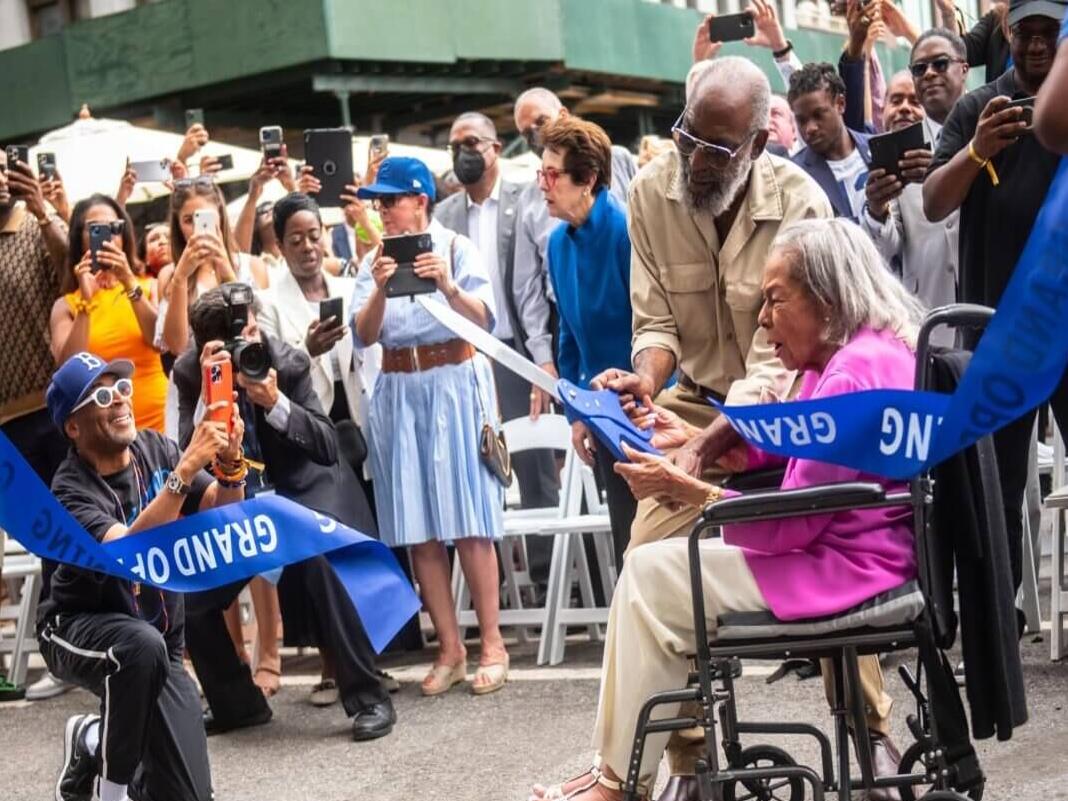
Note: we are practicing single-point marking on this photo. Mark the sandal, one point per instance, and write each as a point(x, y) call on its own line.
point(497, 674)
point(269, 687)
point(595, 777)
point(556, 792)
point(443, 678)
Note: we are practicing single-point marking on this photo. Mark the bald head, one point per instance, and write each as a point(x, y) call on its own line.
point(536, 107)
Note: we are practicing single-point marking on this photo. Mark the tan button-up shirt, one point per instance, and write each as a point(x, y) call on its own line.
point(700, 298)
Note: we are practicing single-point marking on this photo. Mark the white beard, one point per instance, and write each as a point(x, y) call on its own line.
point(717, 200)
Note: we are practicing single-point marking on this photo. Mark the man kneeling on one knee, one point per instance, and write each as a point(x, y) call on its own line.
point(120, 640)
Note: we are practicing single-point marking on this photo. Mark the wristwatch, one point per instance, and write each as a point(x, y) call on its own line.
point(174, 484)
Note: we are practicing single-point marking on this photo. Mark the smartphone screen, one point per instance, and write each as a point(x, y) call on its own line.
point(219, 387)
point(331, 307)
point(46, 165)
point(17, 153)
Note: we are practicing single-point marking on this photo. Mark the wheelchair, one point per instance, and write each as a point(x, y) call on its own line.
point(891, 621)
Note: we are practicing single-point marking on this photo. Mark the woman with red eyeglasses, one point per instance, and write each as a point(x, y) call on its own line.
point(589, 266)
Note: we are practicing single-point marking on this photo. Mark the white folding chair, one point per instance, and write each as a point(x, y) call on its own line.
point(22, 573)
point(1058, 502)
point(1027, 597)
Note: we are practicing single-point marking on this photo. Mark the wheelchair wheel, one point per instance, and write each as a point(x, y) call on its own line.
point(764, 756)
point(912, 761)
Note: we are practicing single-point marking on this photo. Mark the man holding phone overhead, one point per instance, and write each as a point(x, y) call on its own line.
point(925, 254)
point(992, 168)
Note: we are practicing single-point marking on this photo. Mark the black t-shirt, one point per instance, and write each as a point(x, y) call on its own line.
point(995, 221)
point(98, 503)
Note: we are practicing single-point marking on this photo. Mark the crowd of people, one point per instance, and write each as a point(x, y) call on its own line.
point(757, 254)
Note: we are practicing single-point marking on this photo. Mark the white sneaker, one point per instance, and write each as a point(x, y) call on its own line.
point(48, 686)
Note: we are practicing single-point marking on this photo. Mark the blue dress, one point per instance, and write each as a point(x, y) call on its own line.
point(424, 427)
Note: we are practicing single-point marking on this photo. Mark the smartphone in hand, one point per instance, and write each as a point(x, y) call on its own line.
point(731, 27)
point(332, 308)
point(17, 153)
point(46, 166)
point(193, 116)
point(271, 141)
point(219, 387)
point(1028, 106)
point(205, 221)
point(155, 171)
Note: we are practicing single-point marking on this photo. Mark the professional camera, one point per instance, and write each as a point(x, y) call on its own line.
point(253, 359)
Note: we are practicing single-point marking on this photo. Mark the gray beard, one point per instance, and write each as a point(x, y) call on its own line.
point(720, 197)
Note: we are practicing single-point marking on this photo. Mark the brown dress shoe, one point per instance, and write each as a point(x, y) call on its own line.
point(885, 759)
point(680, 788)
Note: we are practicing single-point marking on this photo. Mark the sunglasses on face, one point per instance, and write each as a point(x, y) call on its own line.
point(688, 144)
point(939, 65)
point(388, 201)
point(104, 396)
point(199, 181)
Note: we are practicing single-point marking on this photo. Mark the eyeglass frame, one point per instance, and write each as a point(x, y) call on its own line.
point(112, 390)
point(929, 64)
point(550, 175)
point(379, 202)
point(199, 180)
point(455, 147)
point(701, 144)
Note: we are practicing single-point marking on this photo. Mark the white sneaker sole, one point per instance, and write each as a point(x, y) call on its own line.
point(69, 733)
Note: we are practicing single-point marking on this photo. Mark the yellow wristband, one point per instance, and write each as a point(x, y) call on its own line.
point(984, 163)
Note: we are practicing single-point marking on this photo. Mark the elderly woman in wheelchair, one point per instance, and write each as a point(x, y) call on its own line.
point(835, 314)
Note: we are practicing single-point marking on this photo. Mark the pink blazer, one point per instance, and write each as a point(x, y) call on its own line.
point(824, 564)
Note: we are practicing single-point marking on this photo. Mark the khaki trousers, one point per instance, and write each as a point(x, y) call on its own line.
point(655, 522)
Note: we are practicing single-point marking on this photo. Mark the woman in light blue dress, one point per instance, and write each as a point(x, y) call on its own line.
point(430, 402)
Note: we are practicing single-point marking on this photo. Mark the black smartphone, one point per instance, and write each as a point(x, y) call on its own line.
point(404, 250)
point(1028, 105)
point(889, 148)
point(332, 307)
point(99, 233)
point(46, 165)
point(17, 153)
point(193, 116)
point(271, 141)
point(731, 27)
point(226, 161)
point(328, 151)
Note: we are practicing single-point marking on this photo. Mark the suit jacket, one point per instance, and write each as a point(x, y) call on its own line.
point(816, 166)
point(302, 461)
point(452, 213)
point(339, 239)
point(285, 315)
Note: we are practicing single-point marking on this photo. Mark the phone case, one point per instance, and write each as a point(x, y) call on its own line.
point(888, 148)
point(219, 386)
point(99, 233)
point(731, 28)
point(204, 222)
point(155, 171)
point(329, 152)
point(404, 250)
point(332, 307)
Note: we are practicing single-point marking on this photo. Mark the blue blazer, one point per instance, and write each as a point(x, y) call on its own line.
point(816, 166)
point(340, 241)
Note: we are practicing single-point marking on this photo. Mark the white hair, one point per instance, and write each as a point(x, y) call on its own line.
point(541, 95)
point(732, 71)
point(840, 267)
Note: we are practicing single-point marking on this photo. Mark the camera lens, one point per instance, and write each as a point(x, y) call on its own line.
point(329, 167)
point(252, 360)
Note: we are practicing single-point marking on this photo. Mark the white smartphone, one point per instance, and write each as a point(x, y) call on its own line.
point(205, 221)
point(155, 171)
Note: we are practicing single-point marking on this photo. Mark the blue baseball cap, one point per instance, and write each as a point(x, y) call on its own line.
point(74, 378)
point(400, 175)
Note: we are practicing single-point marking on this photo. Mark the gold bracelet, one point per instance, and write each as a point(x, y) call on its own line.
point(984, 163)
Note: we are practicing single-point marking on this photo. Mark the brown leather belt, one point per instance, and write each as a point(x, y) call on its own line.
point(426, 357)
point(693, 387)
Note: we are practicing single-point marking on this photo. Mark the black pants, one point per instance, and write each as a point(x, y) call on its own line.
point(1012, 444)
point(622, 506)
point(227, 681)
point(151, 728)
point(539, 484)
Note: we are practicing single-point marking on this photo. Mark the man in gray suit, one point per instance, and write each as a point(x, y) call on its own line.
point(486, 212)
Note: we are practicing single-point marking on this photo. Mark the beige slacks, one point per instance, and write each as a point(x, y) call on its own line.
point(655, 522)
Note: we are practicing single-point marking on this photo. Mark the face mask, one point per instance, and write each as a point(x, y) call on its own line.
point(469, 166)
point(533, 138)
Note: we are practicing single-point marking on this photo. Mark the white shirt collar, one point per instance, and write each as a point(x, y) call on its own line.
point(495, 194)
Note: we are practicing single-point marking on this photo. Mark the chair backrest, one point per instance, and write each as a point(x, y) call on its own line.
point(550, 431)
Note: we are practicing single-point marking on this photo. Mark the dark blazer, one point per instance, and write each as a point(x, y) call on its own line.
point(816, 166)
point(303, 462)
point(452, 213)
point(339, 240)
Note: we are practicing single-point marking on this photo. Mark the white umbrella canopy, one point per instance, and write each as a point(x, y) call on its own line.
point(91, 156)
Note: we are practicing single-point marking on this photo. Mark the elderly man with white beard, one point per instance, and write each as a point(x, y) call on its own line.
point(702, 221)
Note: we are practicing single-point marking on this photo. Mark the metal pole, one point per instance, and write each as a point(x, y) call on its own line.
point(346, 115)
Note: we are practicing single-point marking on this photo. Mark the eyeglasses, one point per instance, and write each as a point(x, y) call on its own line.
point(471, 143)
point(105, 396)
point(939, 65)
point(688, 144)
point(389, 201)
point(115, 227)
point(549, 176)
point(199, 181)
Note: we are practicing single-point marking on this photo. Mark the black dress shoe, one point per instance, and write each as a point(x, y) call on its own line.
point(681, 788)
point(374, 721)
point(213, 726)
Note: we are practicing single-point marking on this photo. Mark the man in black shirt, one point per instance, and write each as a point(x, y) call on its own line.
point(991, 166)
point(120, 640)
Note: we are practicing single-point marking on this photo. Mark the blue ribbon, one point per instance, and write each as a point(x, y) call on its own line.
point(212, 548)
point(897, 433)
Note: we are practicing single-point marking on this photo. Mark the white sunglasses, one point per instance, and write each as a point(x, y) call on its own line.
point(105, 396)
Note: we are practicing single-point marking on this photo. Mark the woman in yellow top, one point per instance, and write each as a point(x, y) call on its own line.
point(110, 312)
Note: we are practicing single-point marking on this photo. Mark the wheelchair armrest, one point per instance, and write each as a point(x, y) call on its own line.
point(801, 502)
point(769, 479)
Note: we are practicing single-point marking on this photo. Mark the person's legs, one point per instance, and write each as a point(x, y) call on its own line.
point(268, 614)
point(232, 617)
point(430, 563)
point(478, 560)
point(876, 701)
point(622, 506)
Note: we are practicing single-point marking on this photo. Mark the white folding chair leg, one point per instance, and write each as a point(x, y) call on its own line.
point(510, 591)
point(1028, 595)
point(604, 547)
point(1059, 591)
point(585, 582)
point(20, 656)
point(562, 600)
point(557, 577)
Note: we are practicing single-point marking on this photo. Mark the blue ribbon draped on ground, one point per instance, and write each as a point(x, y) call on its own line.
point(212, 548)
point(897, 433)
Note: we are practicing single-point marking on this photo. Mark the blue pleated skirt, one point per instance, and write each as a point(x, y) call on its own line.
point(429, 479)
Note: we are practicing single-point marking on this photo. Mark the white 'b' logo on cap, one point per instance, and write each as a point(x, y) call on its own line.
point(89, 360)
